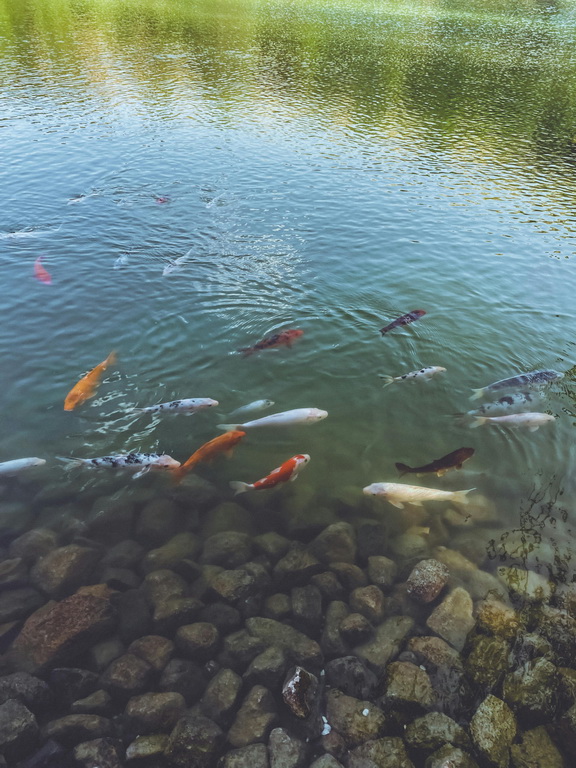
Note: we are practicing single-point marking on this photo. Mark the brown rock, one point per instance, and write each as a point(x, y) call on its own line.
point(63, 570)
point(59, 632)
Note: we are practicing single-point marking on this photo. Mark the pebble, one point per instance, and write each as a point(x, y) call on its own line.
point(255, 718)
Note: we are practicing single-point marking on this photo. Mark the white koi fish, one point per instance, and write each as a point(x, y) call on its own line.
point(424, 374)
point(16, 466)
point(513, 403)
point(257, 405)
point(282, 419)
point(532, 421)
point(189, 406)
point(531, 379)
point(399, 494)
point(143, 462)
point(175, 265)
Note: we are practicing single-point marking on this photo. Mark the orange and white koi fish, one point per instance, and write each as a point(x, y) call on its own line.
point(282, 474)
point(40, 273)
point(221, 444)
point(86, 387)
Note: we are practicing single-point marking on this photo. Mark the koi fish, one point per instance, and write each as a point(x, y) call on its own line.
point(530, 420)
point(257, 405)
point(40, 273)
point(189, 405)
point(143, 462)
point(208, 451)
point(453, 460)
point(516, 402)
point(425, 374)
point(161, 199)
point(282, 419)
point(175, 265)
point(404, 320)
point(15, 466)
point(286, 472)
point(277, 340)
point(121, 261)
point(86, 387)
point(399, 494)
point(531, 379)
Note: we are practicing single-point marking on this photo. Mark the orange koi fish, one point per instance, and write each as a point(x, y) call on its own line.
point(277, 340)
point(86, 387)
point(282, 474)
point(40, 273)
point(221, 444)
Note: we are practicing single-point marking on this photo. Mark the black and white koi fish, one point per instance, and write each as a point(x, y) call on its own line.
point(513, 403)
point(424, 374)
point(15, 466)
point(143, 462)
point(189, 405)
point(530, 379)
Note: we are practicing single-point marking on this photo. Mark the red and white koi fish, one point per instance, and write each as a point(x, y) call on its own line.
point(409, 317)
point(286, 472)
point(284, 338)
point(40, 273)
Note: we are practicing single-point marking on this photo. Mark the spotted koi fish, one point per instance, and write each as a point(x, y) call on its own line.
point(142, 462)
point(188, 405)
point(423, 374)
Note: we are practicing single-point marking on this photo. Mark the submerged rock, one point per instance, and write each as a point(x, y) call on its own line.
point(433, 730)
point(408, 688)
point(355, 720)
point(385, 645)
point(449, 756)
point(61, 571)
point(255, 718)
point(154, 712)
point(195, 742)
point(532, 691)
point(221, 696)
point(380, 753)
point(18, 730)
point(493, 729)
point(299, 691)
point(536, 749)
point(453, 619)
point(285, 750)
point(427, 579)
point(296, 644)
point(252, 756)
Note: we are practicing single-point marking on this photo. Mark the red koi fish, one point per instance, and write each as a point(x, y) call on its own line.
point(282, 474)
point(404, 320)
point(40, 273)
point(277, 340)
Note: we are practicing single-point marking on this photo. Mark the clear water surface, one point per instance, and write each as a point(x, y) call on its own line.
point(327, 166)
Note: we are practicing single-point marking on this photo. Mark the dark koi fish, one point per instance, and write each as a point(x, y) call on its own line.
point(277, 340)
point(452, 460)
point(404, 320)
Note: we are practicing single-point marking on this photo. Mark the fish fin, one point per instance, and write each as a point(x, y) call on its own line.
point(532, 429)
point(294, 477)
point(396, 504)
point(461, 497)
point(478, 421)
point(70, 461)
point(228, 427)
point(229, 452)
point(387, 379)
point(141, 472)
point(402, 468)
point(459, 466)
point(442, 472)
point(239, 487)
point(477, 394)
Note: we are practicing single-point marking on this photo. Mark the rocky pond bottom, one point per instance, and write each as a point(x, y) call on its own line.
point(178, 629)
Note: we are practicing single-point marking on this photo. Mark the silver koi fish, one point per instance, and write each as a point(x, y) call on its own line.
point(15, 466)
point(399, 494)
point(189, 405)
point(530, 379)
point(282, 419)
point(532, 421)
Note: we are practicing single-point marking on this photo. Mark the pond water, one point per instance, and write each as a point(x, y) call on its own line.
point(326, 166)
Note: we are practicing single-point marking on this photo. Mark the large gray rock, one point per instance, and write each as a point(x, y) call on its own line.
point(336, 543)
point(386, 644)
point(453, 619)
point(27, 689)
point(255, 718)
point(355, 720)
point(154, 712)
point(195, 742)
point(532, 691)
point(380, 753)
point(61, 571)
point(252, 756)
point(18, 730)
point(433, 730)
point(285, 750)
point(493, 729)
point(297, 645)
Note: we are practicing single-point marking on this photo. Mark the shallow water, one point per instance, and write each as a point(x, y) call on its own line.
point(326, 167)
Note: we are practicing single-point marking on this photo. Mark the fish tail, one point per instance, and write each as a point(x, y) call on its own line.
point(478, 421)
point(461, 497)
point(246, 351)
point(239, 487)
point(402, 468)
point(387, 379)
point(228, 427)
point(477, 393)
